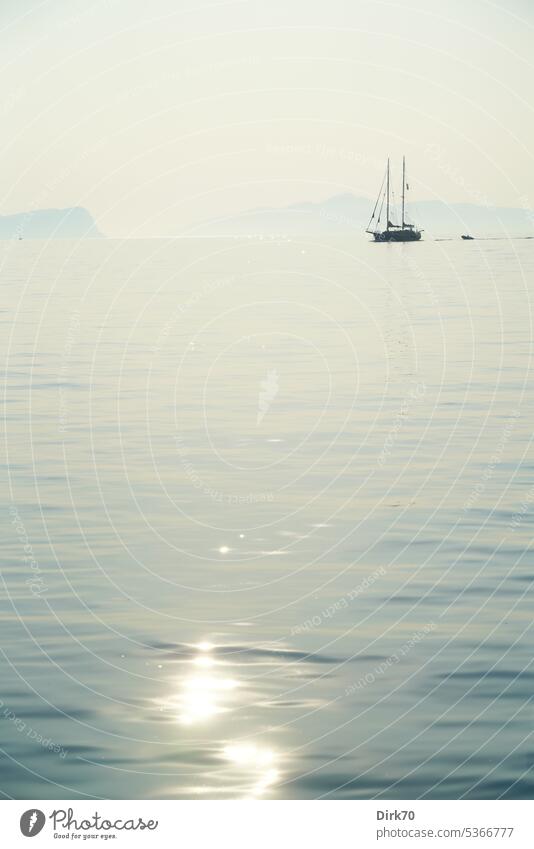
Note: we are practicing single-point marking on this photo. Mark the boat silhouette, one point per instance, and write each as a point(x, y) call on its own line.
point(403, 232)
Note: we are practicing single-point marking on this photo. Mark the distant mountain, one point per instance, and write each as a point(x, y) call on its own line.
point(346, 213)
point(73, 223)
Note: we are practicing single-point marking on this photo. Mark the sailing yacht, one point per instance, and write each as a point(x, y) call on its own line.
point(403, 232)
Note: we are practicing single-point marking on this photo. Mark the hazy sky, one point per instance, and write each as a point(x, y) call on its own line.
point(157, 115)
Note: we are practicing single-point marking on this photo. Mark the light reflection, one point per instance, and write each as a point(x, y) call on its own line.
point(203, 694)
point(203, 660)
point(204, 697)
point(258, 763)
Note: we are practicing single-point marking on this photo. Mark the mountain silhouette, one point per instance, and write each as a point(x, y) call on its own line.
point(71, 223)
point(345, 214)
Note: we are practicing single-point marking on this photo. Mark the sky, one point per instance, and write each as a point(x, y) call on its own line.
point(159, 115)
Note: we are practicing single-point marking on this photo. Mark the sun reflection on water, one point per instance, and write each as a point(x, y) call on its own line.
point(257, 764)
point(203, 694)
point(204, 697)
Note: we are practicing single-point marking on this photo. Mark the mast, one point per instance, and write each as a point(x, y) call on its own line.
point(387, 202)
point(381, 196)
point(403, 186)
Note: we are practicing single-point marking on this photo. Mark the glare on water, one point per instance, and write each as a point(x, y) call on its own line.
point(269, 519)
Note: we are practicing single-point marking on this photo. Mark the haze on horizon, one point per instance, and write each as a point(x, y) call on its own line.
point(158, 116)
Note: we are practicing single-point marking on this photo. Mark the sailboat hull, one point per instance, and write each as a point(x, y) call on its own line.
point(406, 235)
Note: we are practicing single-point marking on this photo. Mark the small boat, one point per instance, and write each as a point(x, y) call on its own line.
point(402, 232)
point(468, 238)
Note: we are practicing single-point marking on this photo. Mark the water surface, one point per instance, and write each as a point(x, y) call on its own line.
point(268, 519)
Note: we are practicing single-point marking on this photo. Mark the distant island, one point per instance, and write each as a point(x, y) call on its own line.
point(346, 213)
point(71, 223)
point(339, 215)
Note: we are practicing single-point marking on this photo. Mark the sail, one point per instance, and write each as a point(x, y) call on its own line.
point(391, 232)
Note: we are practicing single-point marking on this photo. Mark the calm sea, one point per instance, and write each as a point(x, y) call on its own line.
point(267, 521)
